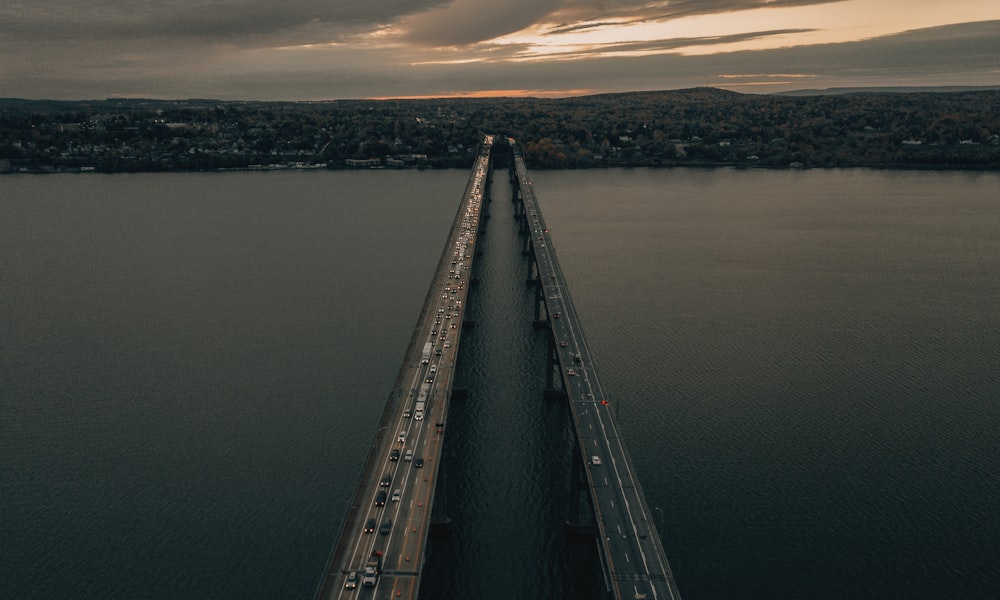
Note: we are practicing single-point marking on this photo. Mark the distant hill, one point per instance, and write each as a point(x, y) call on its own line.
point(888, 90)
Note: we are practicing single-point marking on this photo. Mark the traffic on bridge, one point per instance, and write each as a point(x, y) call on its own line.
point(382, 542)
point(380, 549)
point(635, 565)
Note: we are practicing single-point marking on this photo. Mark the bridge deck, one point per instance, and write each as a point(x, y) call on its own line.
point(635, 565)
point(424, 382)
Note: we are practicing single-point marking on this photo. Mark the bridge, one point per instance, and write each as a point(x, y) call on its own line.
point(382, 541)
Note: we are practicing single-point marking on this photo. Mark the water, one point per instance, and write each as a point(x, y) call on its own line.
point(806, 365)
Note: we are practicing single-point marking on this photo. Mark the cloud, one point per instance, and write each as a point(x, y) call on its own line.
point(465, 22)
point(308, 50)
point(76, 44)
point(655, 46)
point(235, 22)
point(950, 55)
point(576, 15)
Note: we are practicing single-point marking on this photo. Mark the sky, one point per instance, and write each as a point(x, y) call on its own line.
point(345, 49)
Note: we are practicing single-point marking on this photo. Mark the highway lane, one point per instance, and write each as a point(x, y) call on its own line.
point(634, 562)
point(426, 377)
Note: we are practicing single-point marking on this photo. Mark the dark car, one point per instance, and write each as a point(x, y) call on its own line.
point(386, 527)
point(386, 479)
point(418, 463)
point(380, 498)
point(370, 526)
point(394, 455)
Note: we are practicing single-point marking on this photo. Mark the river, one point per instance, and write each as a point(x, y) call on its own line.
point(806, 365)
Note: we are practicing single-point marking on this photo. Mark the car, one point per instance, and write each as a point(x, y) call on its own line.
point(370, 526)
point(385, 528)
point(380, 498)
point(396, 495)
point(595, 460)
point(408, 456)
point(447, 344)
point(394, 455)
point(555, 315)
point(386, 480)
point(563, 344)
point(570, 372)
point(418, 463)
point(352, 580)
point(406, 414)
point(402, 437)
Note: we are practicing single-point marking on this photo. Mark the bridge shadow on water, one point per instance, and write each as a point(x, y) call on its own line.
point(507, 454)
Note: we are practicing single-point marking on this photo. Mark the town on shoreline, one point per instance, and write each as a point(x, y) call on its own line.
point(695, 127)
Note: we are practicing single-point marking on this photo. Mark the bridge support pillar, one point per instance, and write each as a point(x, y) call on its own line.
point(579, 497)
point(439, 510)
point(553, 371)
point(551, 365)
point(440, 521)
point(539, 301)
point(533, 275)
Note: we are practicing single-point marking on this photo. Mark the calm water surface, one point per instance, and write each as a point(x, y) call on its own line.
point(806, 365)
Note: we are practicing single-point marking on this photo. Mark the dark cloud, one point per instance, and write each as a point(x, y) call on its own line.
point(465, 22)
point(237, 22)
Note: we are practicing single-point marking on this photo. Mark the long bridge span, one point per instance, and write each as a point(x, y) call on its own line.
point(380, 549)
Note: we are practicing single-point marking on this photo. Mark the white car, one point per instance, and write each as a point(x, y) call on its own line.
point(352, 580)
point(595, 460)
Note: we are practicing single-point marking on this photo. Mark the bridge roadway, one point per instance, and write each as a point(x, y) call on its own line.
point(406, 452)
point(635, 565)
